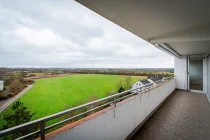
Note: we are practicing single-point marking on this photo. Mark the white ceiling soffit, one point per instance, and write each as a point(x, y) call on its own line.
point(184, 26)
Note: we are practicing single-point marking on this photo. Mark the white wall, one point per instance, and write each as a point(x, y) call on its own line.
point(180, 72)
point(205, 75)
point(1, 86)
point(208, 77)
point(128, 116)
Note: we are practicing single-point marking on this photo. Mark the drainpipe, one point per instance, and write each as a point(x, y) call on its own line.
point(187, 71)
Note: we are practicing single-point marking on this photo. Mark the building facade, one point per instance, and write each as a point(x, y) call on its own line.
point(1, 85)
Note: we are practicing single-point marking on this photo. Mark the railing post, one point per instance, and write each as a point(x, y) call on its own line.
point(140, 96)
point(114, 106)
point(42, 126)
point(115, 102)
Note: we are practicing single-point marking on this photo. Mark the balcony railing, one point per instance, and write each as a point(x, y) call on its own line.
point(105, 102)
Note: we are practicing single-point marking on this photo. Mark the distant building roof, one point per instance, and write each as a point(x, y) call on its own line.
point(155, 78)
point(145, 81)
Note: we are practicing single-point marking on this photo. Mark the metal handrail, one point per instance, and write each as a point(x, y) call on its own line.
point(42, 121)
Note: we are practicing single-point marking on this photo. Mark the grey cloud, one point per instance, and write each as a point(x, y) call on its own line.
point(64, 33)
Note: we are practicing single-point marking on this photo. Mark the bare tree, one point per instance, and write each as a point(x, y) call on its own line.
point(128, 83)
point(14, 86)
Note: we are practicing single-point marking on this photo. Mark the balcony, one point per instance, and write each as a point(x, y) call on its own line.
point(184, 115)
point(160, 111)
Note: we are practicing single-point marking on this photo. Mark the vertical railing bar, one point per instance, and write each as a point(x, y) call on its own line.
point(140, 94)
point(42, 129)
point(115, 102)
point(114, 106)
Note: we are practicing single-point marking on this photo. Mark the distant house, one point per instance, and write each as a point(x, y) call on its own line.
point(1, 85)
point(142, 83)
point(155, 77)
point(28, 81)
point(151, 81)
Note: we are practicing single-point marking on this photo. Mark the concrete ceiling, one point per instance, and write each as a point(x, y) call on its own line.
point(184, 26)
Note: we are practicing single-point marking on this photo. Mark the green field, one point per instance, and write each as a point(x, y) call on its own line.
point(51, 95)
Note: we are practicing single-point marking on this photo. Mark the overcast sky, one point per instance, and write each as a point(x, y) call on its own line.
point(63, 33)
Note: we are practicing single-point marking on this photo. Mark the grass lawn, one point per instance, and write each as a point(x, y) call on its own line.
point(51, 95)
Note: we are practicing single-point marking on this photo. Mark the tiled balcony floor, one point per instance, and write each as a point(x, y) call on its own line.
point(183, 116)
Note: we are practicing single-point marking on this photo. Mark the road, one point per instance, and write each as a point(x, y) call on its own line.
point(12, 99)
